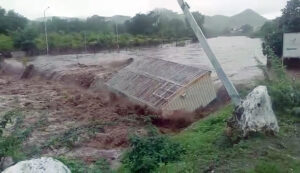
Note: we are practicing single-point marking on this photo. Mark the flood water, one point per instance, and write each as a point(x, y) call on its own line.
point(237, 55)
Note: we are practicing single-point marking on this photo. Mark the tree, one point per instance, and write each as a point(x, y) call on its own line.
point(11, 21)
point(15, 21)
point(2, 20)
point(24, 39)
point(142, 24)
point(200, 19)
point(288, 22)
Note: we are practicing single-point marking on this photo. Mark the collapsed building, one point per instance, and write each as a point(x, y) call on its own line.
point(164, 85)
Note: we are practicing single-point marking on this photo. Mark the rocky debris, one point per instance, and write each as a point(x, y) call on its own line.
point(255, 114)
point(28, 72)
point(42, 165)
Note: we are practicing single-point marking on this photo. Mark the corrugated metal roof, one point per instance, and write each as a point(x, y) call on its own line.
point(154, 81)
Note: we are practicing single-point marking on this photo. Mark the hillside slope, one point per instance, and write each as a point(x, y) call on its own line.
point(217, 24)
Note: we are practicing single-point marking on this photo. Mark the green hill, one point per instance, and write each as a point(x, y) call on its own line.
point(217, 24)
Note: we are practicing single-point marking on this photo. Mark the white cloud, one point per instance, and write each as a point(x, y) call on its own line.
point(74, 8)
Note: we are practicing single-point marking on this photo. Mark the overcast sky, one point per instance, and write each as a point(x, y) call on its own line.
point(82, 8)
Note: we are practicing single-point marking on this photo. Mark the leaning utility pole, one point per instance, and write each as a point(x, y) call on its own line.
point(234, 95)
point(117, 32)
point(46, 34)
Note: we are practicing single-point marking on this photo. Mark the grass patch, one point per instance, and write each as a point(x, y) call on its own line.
point(10, 144)
point(77, 166)
point(76, 135)
point(208, 148)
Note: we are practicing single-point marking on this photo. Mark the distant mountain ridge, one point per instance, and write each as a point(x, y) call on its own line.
point(119, 19)
point(219, 23)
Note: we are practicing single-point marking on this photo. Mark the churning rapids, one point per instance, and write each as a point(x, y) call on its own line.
point(237, 55)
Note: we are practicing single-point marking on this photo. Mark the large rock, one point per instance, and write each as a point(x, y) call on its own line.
point(6, 162)
point(255, 114)
point(42, 165)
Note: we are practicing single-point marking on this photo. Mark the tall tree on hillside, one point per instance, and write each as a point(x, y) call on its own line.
point(290, 20)
point(2, 20)
point(142, 24)
point(99, 24)
point(200, 19)
point(11, 21)
point(24, 39)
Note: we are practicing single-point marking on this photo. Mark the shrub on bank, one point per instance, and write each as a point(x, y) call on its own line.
point(147, 153)
point(284, 92)
point(6, 43)
point(10, 143)
point(65, 42)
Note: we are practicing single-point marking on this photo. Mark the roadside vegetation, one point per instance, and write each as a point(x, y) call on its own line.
point(93, 34)
point(77, 166)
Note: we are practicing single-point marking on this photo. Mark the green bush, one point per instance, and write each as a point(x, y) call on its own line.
point(148, 153)
point(10, 145)
point(100, 166)
point(77, 166)
point(284, 92)
point(6, 43)
point(266, 167)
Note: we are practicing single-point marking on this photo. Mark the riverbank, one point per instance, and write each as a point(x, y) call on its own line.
point(210, 150)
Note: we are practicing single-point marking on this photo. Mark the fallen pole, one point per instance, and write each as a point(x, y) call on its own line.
point(234, 95)
point(254, 114)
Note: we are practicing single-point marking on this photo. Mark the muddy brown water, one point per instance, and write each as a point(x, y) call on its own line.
point(236, 55)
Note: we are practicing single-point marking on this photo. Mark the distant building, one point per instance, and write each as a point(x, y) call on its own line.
point(291, 45)
point(165, 85)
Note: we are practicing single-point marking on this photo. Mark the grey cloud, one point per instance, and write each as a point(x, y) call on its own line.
point(74, 8)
